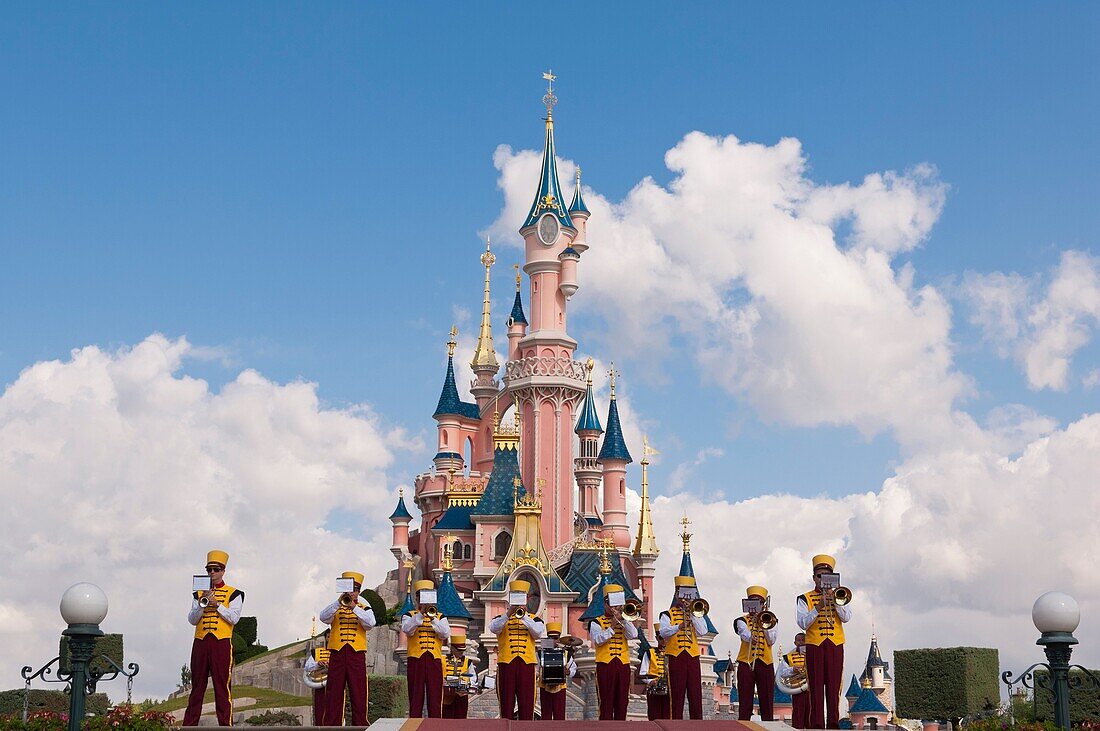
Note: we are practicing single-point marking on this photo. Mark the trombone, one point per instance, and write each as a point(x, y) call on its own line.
point(632, 610)
point(700, 607)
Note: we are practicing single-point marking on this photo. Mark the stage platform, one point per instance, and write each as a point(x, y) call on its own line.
point(496, 724)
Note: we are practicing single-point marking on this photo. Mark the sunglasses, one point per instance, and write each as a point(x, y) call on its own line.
point(214, 569)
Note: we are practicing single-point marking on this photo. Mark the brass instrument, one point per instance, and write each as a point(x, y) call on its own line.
point(632, 610)
point(430, 611)
point(518, 612)
point(767, 620)
point(346, 600)
point(316, 678)
point(700, 607)
point(204, 600)
point(795, 683)
point(842, 595)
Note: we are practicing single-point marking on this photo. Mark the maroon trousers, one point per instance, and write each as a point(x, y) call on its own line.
point(457, 708)
point(516, 684)
point(553, 704)
point(211, 657)
point(347, 668)
point(824, 668)
point(613, 689)
point(758, 678)
point(319, 706)
point(656, 706)
point(685, 678)
point(800, 710)
point(425, 681)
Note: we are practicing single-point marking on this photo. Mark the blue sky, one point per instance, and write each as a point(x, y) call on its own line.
point(302, 186)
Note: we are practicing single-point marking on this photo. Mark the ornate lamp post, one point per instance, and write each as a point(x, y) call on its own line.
point(1055, 615)
point(83, 607)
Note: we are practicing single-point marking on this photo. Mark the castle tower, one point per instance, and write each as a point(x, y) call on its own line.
point(400, 521)
point(484, 363)
point(455, 419)
point(585, 467)
point(517, 321)
point(613, 458)
point(548, 382)
point(579, 214)
point(645, 543)
point(448, 601)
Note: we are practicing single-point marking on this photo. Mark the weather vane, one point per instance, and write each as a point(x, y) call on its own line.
point(549, 99)
point(613, 374)
point(488, 258)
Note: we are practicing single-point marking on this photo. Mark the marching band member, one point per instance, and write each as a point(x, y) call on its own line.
point(212, 649)
point(318, 660)
point(552, 696)
point(427, 630)
point(652, 671)
point(347, 645)
point(795, 661)
point(755, 672)
point(682, 629)
point(823, 619)
point(517, 632)
point(456, 664)
point(610, 635)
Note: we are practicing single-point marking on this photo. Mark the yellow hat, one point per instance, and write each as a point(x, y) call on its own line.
point(553, 628)
point(824, 559)
point(611, 589)
point(684, 581)
point(758, 591)
point(457, 639)
point(519, 585)
point(219, 557)
point(423, 584)
point(354, 576)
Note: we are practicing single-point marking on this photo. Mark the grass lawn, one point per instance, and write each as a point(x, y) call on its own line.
point(265, 698)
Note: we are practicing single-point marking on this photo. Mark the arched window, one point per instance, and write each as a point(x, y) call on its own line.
point(456, 550)
point(444, 438)
point(469, 456)
point(622, 487)
point(467, 552)
point(501, 544)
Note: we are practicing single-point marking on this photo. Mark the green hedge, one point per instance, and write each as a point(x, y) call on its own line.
point(1084, 701)
point(389, 697)
point(109, 645)
point(946, 683)
point(244, 640)
point(370, 596)
point(11, 702)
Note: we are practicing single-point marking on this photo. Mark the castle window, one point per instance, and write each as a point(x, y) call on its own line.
point(622, 487)
point(467, 552)
point(501, 544)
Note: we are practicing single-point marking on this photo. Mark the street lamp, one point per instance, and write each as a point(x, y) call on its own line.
point(1056, 615)
point(83, 607)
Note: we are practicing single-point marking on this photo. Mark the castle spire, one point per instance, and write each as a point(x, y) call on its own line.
point(614, 444)
point(517, 316)
point(588, 420)
point(646, 542)
point(449, 402)
point(548, 197)
point(578, 206)
point(485, 356)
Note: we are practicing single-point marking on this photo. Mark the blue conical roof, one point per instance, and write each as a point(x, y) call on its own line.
point(517, 310)
point(853, 688)
point(408, 605)
point(447, 598)
point(868, 702)
point(498, 497)
point(614, 446)
point(595, 607)
point(588, 420)
point(401, 511)
point(548, 198)
point(578, 206)
point(449, 402)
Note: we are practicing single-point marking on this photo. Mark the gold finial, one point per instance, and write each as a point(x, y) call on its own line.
point(516, 416)
point(313, 628)
point(515, 489)
point(448, 553)
point(613, 374)
point(604, 548)
point(588, 366)
point(452, 342)
point(488, 258)
point(549, 99)
point(645, 544)
point(409, 566)
point(451, 476)
point(684, 535)
point(485, 356)
point(519, 279)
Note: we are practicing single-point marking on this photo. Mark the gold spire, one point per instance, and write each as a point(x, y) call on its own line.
point(605, 547)
point(613, 374)
point(448, 553)
point(519, 279)
point(646, 543)
point(588, 366)
point(313, 628)
point(684, 535)
point(452, 342)
point(484, 354)
point(409, 566)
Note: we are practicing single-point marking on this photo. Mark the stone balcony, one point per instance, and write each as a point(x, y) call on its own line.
point(553, 369)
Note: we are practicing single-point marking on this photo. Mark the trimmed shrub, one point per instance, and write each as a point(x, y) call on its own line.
point(244, 640)
point(370, 596)
point(274, 718)
point(946, 683)
point(51, 701)
point(109, 645)
point(1084, 700)
point(389, 697)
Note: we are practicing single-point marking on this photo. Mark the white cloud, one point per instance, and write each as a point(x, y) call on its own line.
point(1042, 330)
point(120, 469)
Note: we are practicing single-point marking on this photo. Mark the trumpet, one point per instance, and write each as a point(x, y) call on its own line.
point(842, 595)
point(518, 612)
point(430, 611)
point(346, 600)
point(632, 610)
point(767, 619)
point(700, 607)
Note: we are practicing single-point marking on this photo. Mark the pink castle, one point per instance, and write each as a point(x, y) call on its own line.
point(526, 482)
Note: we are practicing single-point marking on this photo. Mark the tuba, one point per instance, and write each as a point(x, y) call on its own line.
point(316, 678)
point(794, 684)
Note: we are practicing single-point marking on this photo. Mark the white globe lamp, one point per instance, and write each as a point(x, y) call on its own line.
point(1056, 613)
point(83, 603)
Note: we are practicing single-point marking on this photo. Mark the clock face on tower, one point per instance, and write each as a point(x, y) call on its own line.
point(548, 229)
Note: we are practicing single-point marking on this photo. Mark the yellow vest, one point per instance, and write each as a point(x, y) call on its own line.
point(656, 664)
point(826, 626)
point(616, 646)
point(459, 667)
point(321, 654)
point(212, 622)
point(796, 660)
point(684, 640)
point(346, 630)
point(761, 650)
point(515, 641)
point(424, 641)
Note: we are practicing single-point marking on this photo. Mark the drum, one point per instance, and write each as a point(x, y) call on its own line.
point(553, 666)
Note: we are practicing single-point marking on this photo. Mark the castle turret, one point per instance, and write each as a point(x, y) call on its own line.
point(517, 321)
point(613, 458)
point(484, 362)
point(645, 542)
point(568, 258)
point(453, 416)
point(448, 601)
point(578, 213)
point(586, 469)
point(400, 521)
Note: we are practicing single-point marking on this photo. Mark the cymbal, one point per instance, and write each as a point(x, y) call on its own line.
point(570, 642)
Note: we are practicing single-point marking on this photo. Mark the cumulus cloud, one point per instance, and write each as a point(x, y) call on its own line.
point(1041, 328)
point(118, 468)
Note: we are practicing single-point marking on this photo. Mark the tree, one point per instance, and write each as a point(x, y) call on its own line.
point(185, 678)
